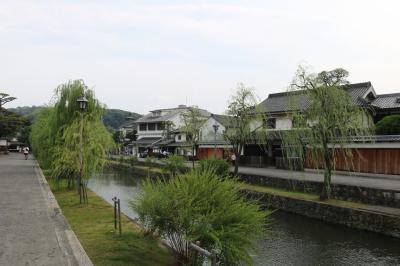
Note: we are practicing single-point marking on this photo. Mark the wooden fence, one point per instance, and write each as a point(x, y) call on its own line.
point(366, 160)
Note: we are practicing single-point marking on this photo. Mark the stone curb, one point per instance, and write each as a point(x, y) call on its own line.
point(67, 240)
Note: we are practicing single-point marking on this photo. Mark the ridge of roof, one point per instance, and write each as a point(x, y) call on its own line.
point(388, 94)
point(347, 86)
point(359, 85)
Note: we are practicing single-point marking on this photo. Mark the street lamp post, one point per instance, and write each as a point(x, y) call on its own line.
point(215, 126)
point(82, 101)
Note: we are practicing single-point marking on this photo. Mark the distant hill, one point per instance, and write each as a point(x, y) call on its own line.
point(113, 118)
point(29, 112)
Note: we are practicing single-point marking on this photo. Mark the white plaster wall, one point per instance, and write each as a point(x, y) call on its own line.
point(183, 137)
point(283, 123)
point(207, 130)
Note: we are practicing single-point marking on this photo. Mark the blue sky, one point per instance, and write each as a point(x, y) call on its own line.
point(142, 55)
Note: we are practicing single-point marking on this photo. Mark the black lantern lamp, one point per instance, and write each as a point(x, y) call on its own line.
point(82, 101)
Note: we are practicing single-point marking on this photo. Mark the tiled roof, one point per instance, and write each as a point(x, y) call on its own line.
point(146, 141)
point(279, 102)
point(149, 118)
point(222, 119)
point(387, 101)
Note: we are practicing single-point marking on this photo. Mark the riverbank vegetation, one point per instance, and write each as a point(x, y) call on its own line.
point(94, 226)
point(202, 206)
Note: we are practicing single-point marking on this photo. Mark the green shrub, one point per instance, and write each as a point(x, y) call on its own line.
point(389, 125)
point(121, 159)
point(202, 206)
point(221, 167)
point(175, 164)
point(132, 160)
point(150, 161)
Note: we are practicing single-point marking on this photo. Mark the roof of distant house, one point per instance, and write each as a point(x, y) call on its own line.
point(387, 101)
point(167, 114)
point(360, 93)
point(222, 119)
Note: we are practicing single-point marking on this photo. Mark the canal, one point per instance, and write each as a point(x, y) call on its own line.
point(291, 240)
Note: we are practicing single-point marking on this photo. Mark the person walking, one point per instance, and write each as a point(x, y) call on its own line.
point(26, 152)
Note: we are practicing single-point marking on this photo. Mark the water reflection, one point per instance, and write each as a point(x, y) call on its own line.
point(292, 240)
point(121, 184)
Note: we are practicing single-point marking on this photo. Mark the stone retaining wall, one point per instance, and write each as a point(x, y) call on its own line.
point(390, 198)
point(354, 218)
point(136, 170)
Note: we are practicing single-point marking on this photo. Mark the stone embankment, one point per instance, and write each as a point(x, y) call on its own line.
point(377, 219)
point(363, 194)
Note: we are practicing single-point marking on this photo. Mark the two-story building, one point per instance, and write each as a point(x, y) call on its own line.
point(280, 106)
point(161, 130)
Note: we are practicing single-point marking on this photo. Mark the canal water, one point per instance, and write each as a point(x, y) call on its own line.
point(291, 240)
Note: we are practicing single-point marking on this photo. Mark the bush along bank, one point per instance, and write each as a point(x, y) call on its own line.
point(377, 219)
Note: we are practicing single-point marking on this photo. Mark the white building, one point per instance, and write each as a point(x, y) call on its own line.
point(161, 130)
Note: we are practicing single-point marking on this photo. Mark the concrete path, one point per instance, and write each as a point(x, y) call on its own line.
point(33, 230)
point(379, 181)
point(370, 181)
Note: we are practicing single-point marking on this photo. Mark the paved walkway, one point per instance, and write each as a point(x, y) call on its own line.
point(32, 229)
point(391, 182)
point(370, 181)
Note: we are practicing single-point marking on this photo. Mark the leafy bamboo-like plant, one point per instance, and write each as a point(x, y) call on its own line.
point(325, 125)
point(202, 206)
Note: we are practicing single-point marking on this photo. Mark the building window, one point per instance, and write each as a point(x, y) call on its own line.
point(160, 126)
point(270, 123)
point(151, 126)
point(179, 137)
point(143, 127)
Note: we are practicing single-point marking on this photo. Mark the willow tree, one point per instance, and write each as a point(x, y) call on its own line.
point(56, 134)
point(245, 122)
point(325, 127)
point(193, 121)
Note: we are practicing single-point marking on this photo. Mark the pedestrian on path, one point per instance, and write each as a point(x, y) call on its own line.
point(26, 152)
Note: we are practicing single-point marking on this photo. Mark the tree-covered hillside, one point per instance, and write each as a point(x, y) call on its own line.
point(113, 118)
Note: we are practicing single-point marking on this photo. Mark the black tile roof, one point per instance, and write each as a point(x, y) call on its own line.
point(222, 119)
point(387, 101)
point(150, 118)
point(279, 102)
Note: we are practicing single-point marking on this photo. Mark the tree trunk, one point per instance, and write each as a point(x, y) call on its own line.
point(193, 148)
point(326, 189)
point(236, 165)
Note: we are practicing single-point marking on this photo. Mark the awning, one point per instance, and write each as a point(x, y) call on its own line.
point(222, 144)
point(146, 142)
point(165, 142)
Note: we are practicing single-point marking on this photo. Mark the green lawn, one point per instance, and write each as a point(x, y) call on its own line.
point(94, 227)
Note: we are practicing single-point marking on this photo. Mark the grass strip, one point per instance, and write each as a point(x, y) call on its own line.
point(303, 196)
point(94, 226)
